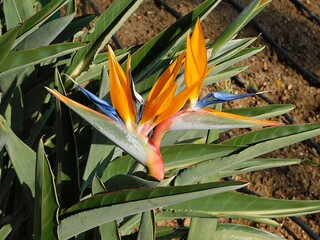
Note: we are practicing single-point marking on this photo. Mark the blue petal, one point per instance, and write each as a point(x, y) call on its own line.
point(219, 97)
point(104, 106)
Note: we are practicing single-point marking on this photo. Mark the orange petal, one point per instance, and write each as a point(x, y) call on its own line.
point(178, 102)
point(196, 61)
point(158, 105)
point(162, 93)
point(120, 91)
point(167, 78)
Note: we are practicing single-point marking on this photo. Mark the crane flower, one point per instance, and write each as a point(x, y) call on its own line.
point(137, 125)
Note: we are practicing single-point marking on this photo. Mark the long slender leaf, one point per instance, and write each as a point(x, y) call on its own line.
point(243, 54)
point(263, 112)
point(105, 26)
point(3, 135)
point(68, 182)
point(239, 22)
point(218, 166)
point(118, 166)
point(33, 23)
point(46, 203)
point(108, 230)
point(232, 231)
point(6, 43)
point(75, 26)
point(257, 164)
point(102, 150)
point(22, 158)
point(223, 75)
point(5, 231)
point(270, 133)
point(184, 155)
point(45, 34)
point(17, 11)
point(23, 59)
point(229, 49)
point(205, 226)
point(15, 111)
point(147, 226)
point(108, 207)
point(239, 205)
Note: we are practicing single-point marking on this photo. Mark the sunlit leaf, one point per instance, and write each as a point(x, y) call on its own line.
point(239, 205)
point(104, 208)
point(17, 11)
point(275, 140)
point(104, 27)
point(6, 43)
point(147, 226)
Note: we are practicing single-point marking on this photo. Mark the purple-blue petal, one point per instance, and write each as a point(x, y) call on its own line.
point(219, 97)
point(104, 106)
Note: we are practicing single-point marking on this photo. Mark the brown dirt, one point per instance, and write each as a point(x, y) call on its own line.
point(298, 35)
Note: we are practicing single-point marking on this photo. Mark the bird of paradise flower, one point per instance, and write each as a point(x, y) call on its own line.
point(137, 126)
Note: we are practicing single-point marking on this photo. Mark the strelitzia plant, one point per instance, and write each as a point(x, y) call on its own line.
point(60, 178)
point(164, 109)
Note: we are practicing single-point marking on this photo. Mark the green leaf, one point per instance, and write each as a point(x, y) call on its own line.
point(34, 22)
point(23, 59)
point(45, 34)
point(104, 27)
point(5, 231)
point(218, 166)
point(108, 230)
point(74, 27)
point(17, 11)
point(269, 134)
point(147, 226)
point(122, 165)
point(6, 43)
point(46, 203)
point(66, 153)
point(36, 130)
point(184, 155)
point(3, 134)
point(236, 231)
point(243, 54)
point(256, 164)
point(205, 226)
point(104, 208)
point(22, 158)
point(15, 111)
point(223, 75)
point(102, 150)
point(230, 48)
point(239, 22)
point(263, 112)
point(97, 186)
point(166, 232)
point(239, 205)
point(121, 181)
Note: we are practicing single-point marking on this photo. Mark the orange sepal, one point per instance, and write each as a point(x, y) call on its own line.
point(120, 90)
